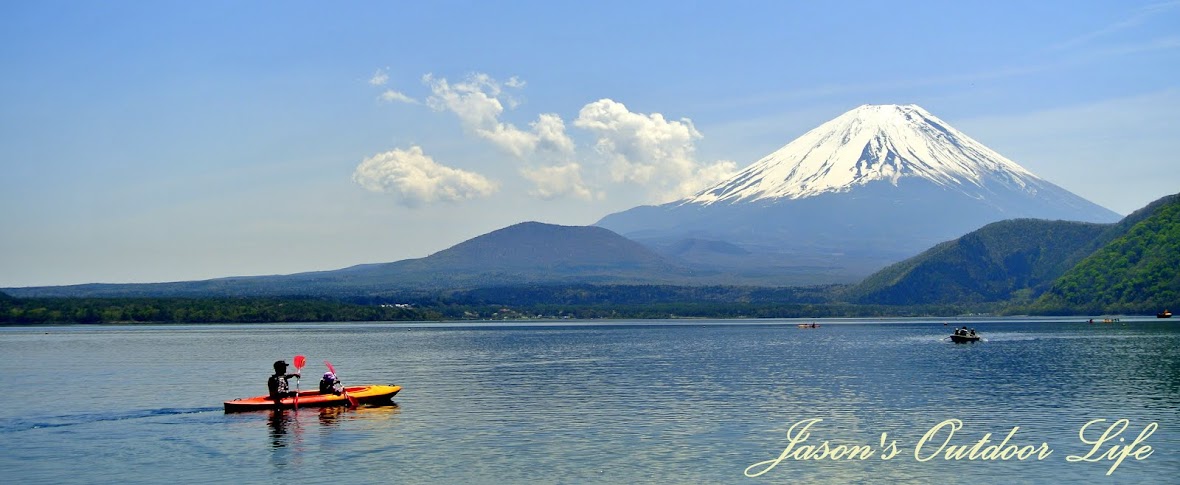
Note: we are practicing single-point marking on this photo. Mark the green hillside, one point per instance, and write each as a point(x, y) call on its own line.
point(1002, 261)
point(1137, 272)
point(1015, 266)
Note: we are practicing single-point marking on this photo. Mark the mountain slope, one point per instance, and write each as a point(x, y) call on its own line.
point(533, 245)
point(526, 253)
point(998, 262)
point(1137, 272)
point(873, 186)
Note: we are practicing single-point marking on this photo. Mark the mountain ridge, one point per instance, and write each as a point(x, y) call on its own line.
point(869, 188)
point(998, 262)
point(1127, 267)
point(523, 253)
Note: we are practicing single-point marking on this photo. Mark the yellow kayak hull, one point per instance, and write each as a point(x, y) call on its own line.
point(369, 394)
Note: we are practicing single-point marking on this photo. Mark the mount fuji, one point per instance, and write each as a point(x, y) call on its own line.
point(873, 186)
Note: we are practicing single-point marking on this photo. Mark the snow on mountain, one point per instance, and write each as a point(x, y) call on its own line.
point(871, 187)
point(870, 143)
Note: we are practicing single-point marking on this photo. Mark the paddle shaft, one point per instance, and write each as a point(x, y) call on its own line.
point(299, 362)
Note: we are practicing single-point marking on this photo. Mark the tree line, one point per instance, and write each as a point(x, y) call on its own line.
point(198, 310)
point(504, 304)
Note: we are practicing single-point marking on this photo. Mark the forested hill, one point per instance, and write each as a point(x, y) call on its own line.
point(1048, 267)
point(1137, 272)
point(1002, 261)
point(1016, 266)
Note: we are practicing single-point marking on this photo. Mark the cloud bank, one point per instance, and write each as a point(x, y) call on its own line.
point(640, 150)
point(551, 182)
point(416, 179)
point(649, 150)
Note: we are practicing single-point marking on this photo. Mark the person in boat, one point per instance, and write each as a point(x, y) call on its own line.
point(330, 384)
point(278, 385)
point(973, 332)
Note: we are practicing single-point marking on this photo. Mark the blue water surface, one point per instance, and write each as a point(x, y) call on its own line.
point(682, 401)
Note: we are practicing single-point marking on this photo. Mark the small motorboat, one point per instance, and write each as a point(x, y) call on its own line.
point(965, 335)
point(1164, 314)
point(371, 394)
point(964, 339)
point(808, 325)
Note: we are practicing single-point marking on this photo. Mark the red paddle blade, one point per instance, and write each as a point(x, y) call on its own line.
point(330, 368)
point(299, 361)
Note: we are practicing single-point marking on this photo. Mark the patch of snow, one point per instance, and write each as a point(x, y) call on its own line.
point(870, 143)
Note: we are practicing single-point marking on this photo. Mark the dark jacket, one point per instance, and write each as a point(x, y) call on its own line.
point(279, 387)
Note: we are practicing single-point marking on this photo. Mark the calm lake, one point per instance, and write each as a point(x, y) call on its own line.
point(685, 401)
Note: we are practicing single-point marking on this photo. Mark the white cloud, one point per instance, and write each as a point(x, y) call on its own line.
point(379, 78)
point(550, 133)
point(416, 179)
point(707, 175)
point(557, 181)
point(479, 103)
point(473, 101)
point(394, 96)
point(642, 149)
point(649, 150)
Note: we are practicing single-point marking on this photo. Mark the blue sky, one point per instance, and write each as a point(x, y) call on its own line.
point(165, 141)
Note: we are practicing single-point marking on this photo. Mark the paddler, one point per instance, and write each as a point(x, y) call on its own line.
point(278, 385)
point(329, 384)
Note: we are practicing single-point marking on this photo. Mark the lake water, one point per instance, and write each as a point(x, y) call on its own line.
point(694, 401)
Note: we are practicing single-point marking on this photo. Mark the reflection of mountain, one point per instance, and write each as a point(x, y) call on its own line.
point(873, 186)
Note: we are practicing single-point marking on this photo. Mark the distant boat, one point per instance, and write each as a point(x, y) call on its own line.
point(964, 339)
point(1164, 314)
point(965, 335)
point(808, 325)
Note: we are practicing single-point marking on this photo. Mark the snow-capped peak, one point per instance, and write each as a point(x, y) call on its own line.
point(872, 143)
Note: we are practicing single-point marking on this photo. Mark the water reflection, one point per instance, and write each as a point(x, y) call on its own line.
point(278, 422)
point(285, 426)
point(330, 416)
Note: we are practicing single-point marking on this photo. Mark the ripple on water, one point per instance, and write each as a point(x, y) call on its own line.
point(581, 404)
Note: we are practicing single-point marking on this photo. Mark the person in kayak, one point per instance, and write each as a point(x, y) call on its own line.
point(278, 385)
point(330, 384)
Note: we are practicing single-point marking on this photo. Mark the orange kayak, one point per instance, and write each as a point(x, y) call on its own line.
point(373, 394)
